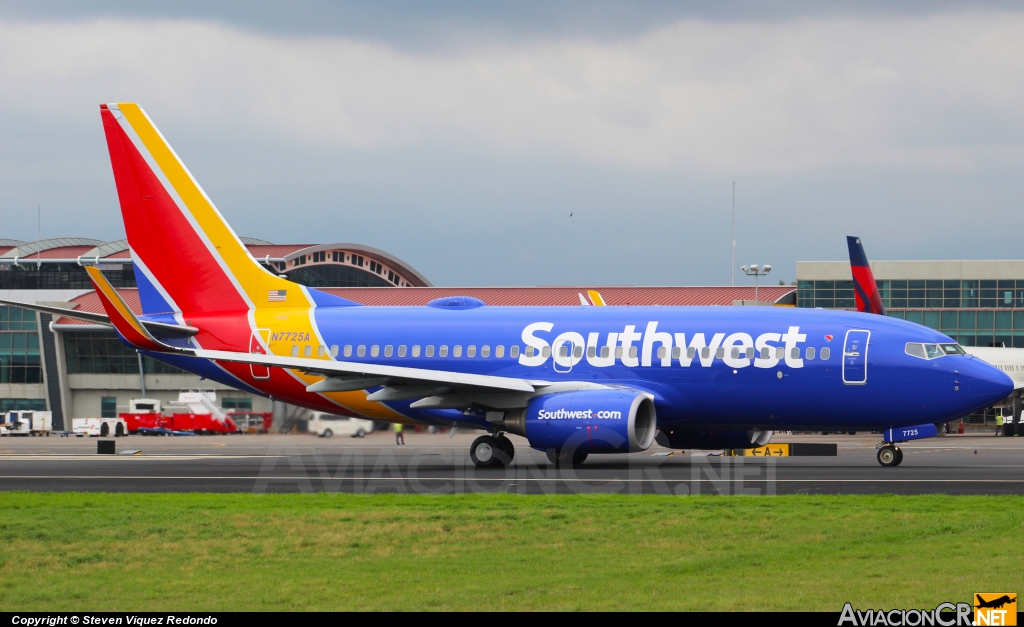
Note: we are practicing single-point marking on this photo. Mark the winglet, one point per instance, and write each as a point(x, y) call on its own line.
point(869, 300)
point(124, 320)
point(596, 298)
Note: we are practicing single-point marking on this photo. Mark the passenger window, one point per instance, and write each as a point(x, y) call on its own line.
point(591, 351)
point(676, 352)
point(443, 352)
point(389, 350)
point(915, 349)
point(471, 351)
point(374, 350)
point(348, 350)
point(334, 350)
point(618, 352)
point(705, 352)
point(605, 351)
point(513, 351)
point(401, 350)
point(735, 352)
point(545, 352)
point(810, 353)
point(794, 352)
point(361, 351)
point(321, 351)
point(691, 352)
point(457, 351)
point(308, 352)
point(765, 353)
point(750, 352)
point(416, 350)
point(499, 351)
point(720, 353)
point(485, 351)
point(578, 352)
point(825, 353)
point(295, 350)
point(662, 351)
point(563, 350)
point(430, 350)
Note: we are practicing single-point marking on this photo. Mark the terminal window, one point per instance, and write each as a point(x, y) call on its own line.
point(20, 361)
point(108, 407)
point(229, 402)
point(99, 352)
point(22, 404)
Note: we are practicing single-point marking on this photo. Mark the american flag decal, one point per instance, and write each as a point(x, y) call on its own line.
point(277, 295)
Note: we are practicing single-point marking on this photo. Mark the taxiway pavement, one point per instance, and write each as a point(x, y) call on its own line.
point(435, 463)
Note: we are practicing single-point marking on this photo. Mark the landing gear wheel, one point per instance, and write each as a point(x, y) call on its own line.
point(486, 452)
point(506, 445)
point(561, 459)
point(890, 455)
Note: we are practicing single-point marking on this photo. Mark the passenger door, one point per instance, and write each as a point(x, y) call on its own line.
point(855, 357)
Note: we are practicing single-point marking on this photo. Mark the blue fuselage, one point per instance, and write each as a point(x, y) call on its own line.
point(706, 367)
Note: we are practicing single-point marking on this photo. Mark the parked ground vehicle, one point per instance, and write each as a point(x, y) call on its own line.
point(99, 427)
point(24, 422)
point(327, 425)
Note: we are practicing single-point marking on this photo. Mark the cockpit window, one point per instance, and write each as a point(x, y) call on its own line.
point(916, 350)
point(933, 351)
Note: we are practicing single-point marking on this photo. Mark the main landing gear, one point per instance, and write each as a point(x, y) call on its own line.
point(490, 451)
point(890, 455)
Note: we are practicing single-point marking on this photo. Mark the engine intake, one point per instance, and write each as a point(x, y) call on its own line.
point(591, 421)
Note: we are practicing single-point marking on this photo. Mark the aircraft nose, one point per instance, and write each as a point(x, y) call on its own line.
point(988, 383)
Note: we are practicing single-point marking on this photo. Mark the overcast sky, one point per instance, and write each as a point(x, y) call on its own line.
point(460, 136)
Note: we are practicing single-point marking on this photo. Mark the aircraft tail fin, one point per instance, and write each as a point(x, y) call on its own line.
point(186, 257)
point(869, 300)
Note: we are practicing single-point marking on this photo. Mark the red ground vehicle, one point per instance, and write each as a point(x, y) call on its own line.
point(143, 413)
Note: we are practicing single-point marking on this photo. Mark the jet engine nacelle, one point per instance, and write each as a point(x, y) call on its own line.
point(590, 421)
point(708, 440)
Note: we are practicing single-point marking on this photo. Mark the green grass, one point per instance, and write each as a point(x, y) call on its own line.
point(488, 552)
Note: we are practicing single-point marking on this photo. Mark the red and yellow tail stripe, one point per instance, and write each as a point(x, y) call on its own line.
point(121, 316)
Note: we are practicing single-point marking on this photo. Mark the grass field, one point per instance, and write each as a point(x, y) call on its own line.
point(490, 552)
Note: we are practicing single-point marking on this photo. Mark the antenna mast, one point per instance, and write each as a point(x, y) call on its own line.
point(732, 257)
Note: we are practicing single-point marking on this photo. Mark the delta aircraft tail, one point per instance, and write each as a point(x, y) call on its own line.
point(869, 300)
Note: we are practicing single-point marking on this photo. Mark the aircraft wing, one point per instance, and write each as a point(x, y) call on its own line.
point(159, 328)
point(343, 375)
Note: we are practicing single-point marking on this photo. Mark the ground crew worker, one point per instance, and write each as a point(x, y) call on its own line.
point(399, 436)
point(999, 423)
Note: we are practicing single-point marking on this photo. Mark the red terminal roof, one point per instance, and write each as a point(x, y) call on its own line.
point(62, 252)
point(504, 296)
point(276, 251)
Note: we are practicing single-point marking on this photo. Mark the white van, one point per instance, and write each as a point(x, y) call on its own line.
point(326, 425)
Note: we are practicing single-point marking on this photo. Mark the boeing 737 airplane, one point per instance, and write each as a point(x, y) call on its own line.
point(573, 381)
point(869, 300)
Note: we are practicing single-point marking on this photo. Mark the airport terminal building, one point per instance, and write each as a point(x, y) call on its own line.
point(977, 303)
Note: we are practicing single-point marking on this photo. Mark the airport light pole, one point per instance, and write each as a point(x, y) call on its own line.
point(757, 273)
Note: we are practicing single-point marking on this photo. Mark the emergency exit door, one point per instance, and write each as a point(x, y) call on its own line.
point(855, 357)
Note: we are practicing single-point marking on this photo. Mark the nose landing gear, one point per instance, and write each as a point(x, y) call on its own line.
point(889, 455)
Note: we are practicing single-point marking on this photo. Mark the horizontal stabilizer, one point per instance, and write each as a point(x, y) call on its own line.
point(161, 329)
point(123, 319)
